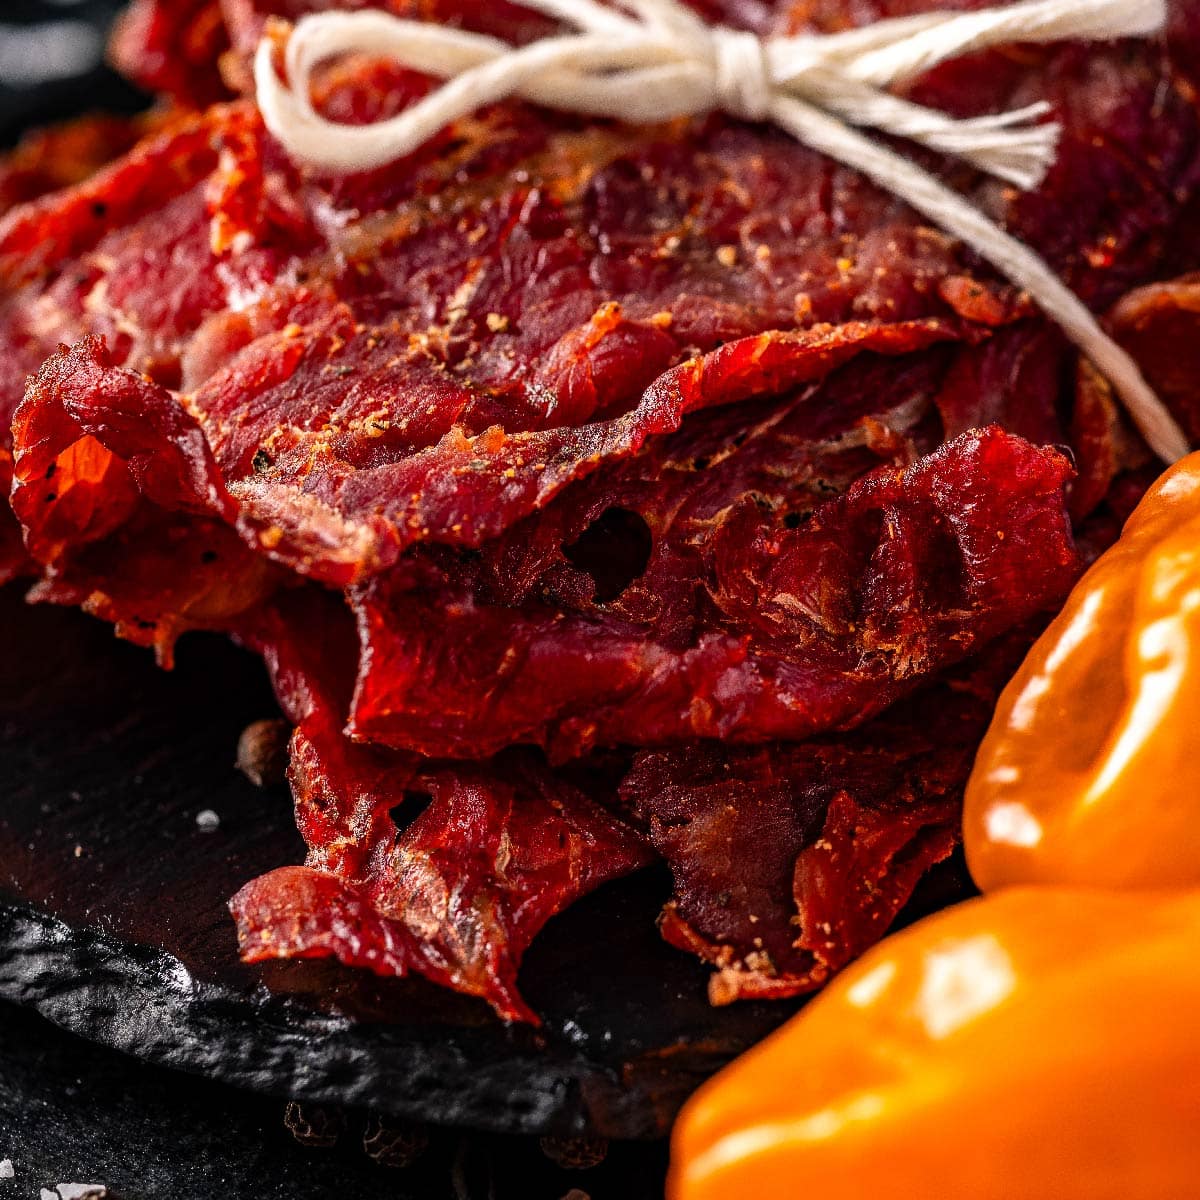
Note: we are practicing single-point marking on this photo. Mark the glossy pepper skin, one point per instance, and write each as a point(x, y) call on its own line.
point(1037, 1044)
point(1090, 772)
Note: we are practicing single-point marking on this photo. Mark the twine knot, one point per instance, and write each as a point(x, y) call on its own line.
point(743, 81)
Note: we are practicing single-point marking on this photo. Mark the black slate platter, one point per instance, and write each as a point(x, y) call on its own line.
point(72, 1112)
point(113, 920)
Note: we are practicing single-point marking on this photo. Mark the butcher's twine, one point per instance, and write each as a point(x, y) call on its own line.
point(654, 60)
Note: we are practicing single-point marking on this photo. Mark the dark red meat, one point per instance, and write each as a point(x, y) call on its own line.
point(757, 621)
point(42, 162)
point(445, 870)
point(59, 156)
point(614, 437)
point(1160, 325)
point(458, 895)
point(700, 234)
point(790, 860)
point(119, 506)
point(172, 47)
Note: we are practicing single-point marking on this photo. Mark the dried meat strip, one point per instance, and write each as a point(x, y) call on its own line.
point(44, 161)
point(699, 234)
point(172, 48)
point(416, 456)
point(130, 530)
point(760, 627)
point(454, 891)
point(458, 895)
point(140, 252)
point(790, 860)
point(651, 415)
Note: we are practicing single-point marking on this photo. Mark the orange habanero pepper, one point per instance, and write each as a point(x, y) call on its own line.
point(1037, 1044)
point(1090, 773)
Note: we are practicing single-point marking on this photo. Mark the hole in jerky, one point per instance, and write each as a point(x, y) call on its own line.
point(409, 809)
point(614, 550)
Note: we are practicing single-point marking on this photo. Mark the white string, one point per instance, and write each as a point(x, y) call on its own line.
point(655, 60)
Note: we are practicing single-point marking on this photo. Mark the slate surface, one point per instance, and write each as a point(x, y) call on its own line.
point(74, 1113)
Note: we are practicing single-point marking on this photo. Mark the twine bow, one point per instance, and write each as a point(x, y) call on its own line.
point(654, 60)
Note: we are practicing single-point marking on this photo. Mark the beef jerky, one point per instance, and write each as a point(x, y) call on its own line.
point(790, 860)
point(527, 282)
point(172, 48)
point(44, 161)
point(1158, 324)
point(692, 230)
point(753, 626)
point(458, 895)
point(145, 552)
point(445, 870)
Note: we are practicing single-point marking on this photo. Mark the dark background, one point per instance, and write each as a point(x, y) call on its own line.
point(51, 63)
point(73, 1113)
